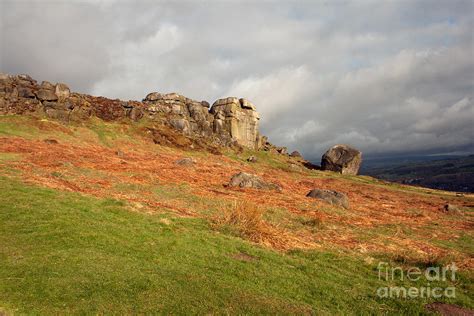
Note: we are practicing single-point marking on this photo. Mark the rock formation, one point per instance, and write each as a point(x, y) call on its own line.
point(230, 121)
point(342, 159)
point(237, 119)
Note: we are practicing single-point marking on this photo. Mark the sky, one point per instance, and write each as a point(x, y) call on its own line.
point(387, 77)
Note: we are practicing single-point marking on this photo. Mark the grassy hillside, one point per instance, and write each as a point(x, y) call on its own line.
point(103, 221)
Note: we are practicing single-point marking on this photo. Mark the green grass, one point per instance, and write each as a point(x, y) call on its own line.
point(66, 253)
point(9, 157)
point(264, 158)
point(12, 125)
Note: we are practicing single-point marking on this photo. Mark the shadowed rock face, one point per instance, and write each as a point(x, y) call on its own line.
point(228, 122)
point(342, 159)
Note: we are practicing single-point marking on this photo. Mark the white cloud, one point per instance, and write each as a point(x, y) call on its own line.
point(276, 92)
point(382, 76)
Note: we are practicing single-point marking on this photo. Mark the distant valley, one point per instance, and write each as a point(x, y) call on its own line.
point(452, 173)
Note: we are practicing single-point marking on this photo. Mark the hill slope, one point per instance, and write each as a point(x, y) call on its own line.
point(452, 174)
point(98, 218)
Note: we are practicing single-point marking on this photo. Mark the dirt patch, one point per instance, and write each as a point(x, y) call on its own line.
point(448, 309)
point(242, 256)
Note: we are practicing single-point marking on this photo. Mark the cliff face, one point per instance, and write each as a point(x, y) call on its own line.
point(239, 118)
point(229, 121)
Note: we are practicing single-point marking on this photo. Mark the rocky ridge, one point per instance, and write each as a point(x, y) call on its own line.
point(192, 124)
point(229, 121)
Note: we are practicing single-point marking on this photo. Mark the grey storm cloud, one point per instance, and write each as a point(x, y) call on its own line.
point(388, 77)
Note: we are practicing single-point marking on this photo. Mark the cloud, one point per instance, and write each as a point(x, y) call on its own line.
point(275, 92)
point(387, 77)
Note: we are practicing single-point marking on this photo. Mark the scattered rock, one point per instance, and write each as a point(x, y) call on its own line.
point(296, 154)
point(329, 196)
point(282, 150)
point(294, 167)
point(450, 208)
point(252, 159)
point(186, 162)
point(51, 141)
point(120, 153)
point(446, 309)
point(246, 180)
point(46, 95)
point(342, 159)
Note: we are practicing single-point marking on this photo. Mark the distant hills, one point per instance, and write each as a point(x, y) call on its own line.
point(454, 173)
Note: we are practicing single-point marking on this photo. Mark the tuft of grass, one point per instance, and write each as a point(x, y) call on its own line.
point(9, 157)
point(247, 219)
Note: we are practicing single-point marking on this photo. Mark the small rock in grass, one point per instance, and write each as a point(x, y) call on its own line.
point(252, 159)
point(120, 153)
point(450, 208)
point(51, 141)
point(186, 162)
point(329, 196)
point(246, 180)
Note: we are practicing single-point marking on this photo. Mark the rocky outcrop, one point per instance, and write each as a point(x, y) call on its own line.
point(329, 196)
point(342, 159)
point(186, 115)
point(230, 121)
point(265, 145)
point(236, 119)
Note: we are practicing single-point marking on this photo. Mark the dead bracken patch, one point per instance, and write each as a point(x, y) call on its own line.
point(247, 219)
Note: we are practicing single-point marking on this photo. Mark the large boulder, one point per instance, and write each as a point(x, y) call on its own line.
point(62, 91)
point(296, 154)
point(329, 196)
point(26, 93)
point(342, 159)
point(46, 95)
point(47, 85)
point(246, 180)
point(153, 96)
